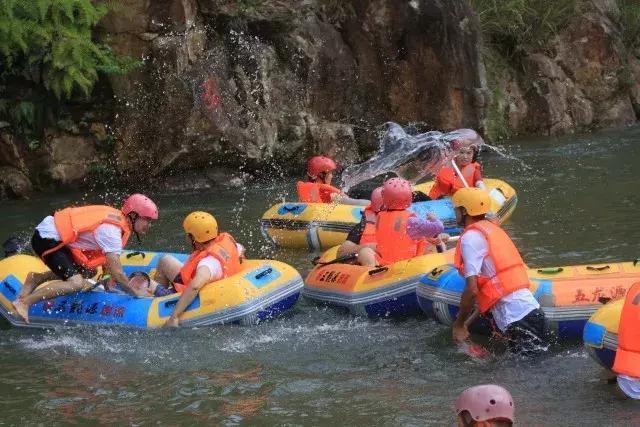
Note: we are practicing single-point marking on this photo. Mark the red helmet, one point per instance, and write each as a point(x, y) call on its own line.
point(320, 164)
point(486, 402)
point(397, 194)
point(140, 204)
point(376, 199)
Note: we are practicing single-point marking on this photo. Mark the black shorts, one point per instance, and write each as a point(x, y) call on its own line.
point(61, 261)
point(528, 335)
point(355, 234)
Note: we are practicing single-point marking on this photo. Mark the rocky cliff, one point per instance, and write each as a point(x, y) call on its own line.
point(260, 85)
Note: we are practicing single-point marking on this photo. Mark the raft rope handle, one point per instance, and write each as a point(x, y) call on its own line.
point(436, 271)
point(293, 208)
point(636, 261)
point(8, 286)
point(604, 267)
point(552, 270)
point(378, 270)
point(136, 253)
point(264, 273)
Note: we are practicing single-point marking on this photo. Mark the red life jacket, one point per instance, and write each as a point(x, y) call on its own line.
point(393, 241)
point(223, 248)
point(448, 181)
point(70, 222)
point(627, 361)
point(369, 232)
point(314, 192)
point(511, 271)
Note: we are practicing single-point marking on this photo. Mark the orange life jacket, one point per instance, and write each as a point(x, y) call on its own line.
point(70, 222)
point(627, 361)
point(315, 192)
point(223, 248)
point(511, 271)
point(369, 232)
point(448, 181)
point(393, 241)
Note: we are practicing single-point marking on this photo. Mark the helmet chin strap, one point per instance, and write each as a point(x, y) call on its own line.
point(133, 217)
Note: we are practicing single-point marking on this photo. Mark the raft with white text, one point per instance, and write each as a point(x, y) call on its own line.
point(568, 295)
point(324, 225)
point(262, 290)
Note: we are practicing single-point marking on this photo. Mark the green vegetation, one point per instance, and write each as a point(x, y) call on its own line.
point(48, 56)
point(497, 125)
point(516, 26)
point(630, 23)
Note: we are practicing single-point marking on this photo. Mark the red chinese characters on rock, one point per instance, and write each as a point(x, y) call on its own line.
point(211, 94)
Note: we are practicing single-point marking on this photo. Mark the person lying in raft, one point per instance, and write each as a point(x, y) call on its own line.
point(399, 234)
point(318, 188)
point(363, 233)
point(73, 242)
point(627, 362)
point(215, 256)
point(496, 277)
point(447, 181)
point(485, 405)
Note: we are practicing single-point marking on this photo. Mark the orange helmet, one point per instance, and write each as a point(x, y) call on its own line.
point(397, 194)
point(320, 164)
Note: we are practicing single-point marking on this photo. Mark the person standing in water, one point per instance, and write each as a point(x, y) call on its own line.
point(318, 188)
point(627, 362)
point(485, 405)
point(496, 277)
point(73, 242)
point(447, 181)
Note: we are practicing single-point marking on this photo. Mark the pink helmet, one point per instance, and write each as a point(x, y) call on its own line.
point(397, 193)
point(486, 402)
point(320, 164)
point(140, 204)
point(376, 199)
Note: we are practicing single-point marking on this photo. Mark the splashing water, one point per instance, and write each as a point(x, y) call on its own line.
point(410, 156)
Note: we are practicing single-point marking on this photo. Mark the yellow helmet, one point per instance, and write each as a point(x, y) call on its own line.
point(202, 226)
point(476, 201)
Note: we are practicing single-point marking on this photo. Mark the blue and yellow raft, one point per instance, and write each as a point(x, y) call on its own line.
point(263, 289)
point(568, 295)
point(324, 225)
point(601, 333)
point(370, 291)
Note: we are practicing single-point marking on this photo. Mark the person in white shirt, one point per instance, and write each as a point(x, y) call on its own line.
point(496, 277)
point(73, 242)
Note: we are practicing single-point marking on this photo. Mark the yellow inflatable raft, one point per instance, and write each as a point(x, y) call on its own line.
point(323, 225)
point(263, 289)
point(367, 291)
point(600, 334)
point(568, 295)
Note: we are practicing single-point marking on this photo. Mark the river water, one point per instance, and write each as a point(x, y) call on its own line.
point(579, 203)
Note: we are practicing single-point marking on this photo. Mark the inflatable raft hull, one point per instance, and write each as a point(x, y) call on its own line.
point(370, 291)
point(324, 225)
point(568, 295)
point(262, 290)
point(601, 333)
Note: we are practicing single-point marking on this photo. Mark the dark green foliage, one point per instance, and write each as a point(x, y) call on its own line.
point(50, 42)
point(514, 26)
point(630, 23)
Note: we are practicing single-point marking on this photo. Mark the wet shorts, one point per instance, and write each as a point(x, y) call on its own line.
point(528, 335)
point(61, 261)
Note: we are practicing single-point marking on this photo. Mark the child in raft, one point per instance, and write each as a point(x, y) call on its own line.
point(447, 180)
point(318, 188)
point(399, 234)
